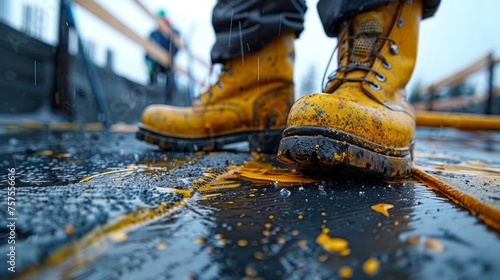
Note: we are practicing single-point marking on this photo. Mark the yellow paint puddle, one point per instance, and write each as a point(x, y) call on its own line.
point(382, 208)
point(263, 171)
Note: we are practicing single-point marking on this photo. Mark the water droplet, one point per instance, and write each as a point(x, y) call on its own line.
point(13, 141)
point(285, 192)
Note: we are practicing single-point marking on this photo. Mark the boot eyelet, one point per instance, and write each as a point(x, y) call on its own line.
point(209, 94)
point(220, 85)
point(375, 86)
point(394, 49)
point(400, 22)
point(380, 77)
point(386, 65)
point(229, 72)
point(197, 100)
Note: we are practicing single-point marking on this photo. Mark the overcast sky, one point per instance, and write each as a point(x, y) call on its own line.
point(460, 32)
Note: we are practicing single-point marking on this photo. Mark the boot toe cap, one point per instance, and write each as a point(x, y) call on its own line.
point(361, 117)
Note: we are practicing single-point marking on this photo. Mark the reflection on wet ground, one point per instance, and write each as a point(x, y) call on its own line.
point(102, 205)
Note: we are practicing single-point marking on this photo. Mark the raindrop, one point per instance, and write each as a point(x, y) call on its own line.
point(285, 192)
point(301, 189)
point(13, 141)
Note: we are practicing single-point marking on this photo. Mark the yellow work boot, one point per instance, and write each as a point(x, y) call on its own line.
point(361, 122)
point(250, 102)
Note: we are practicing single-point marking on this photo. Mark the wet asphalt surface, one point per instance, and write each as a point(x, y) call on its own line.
point(156, 215)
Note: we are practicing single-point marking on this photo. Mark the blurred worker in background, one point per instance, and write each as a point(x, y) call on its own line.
point(160, 74)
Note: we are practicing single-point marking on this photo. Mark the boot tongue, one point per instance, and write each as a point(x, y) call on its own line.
point(367, 27)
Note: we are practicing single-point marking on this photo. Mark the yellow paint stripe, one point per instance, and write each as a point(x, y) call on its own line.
point(95, 240)
point(86, 179)
point(488, 214)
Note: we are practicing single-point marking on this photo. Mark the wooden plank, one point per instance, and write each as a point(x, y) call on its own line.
point(458, 120)
point(459, 76)
point(155, 51)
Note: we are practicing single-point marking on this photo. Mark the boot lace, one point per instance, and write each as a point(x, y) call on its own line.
point(363, 49)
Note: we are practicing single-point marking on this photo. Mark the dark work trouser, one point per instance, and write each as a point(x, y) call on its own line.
point(244, 26)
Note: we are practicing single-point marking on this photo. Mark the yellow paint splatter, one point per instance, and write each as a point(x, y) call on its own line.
point(322, 258)
point(161, 245)
point(331, 244)
point(200, 239)
point(434, 246)
point(371, 266)
point(258, 255)
point(382, 208)
point(118, 236)
point(413, 239)
point(45, 153)
point(281, 240)
point(242, 242)
point(345, 252)
point(300, 216)
point(211, 195)
point(295, 232)
point(302, 243)
point(69, 229)
point(265, 232)
point(250, 272)
point(271, 216)
point(267, 225)
point(345, 272)
point(323, 213)
point(262, 171)
point(131, 169)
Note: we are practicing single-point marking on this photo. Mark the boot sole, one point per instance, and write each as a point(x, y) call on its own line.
point(318, 149)
point(260, 141)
